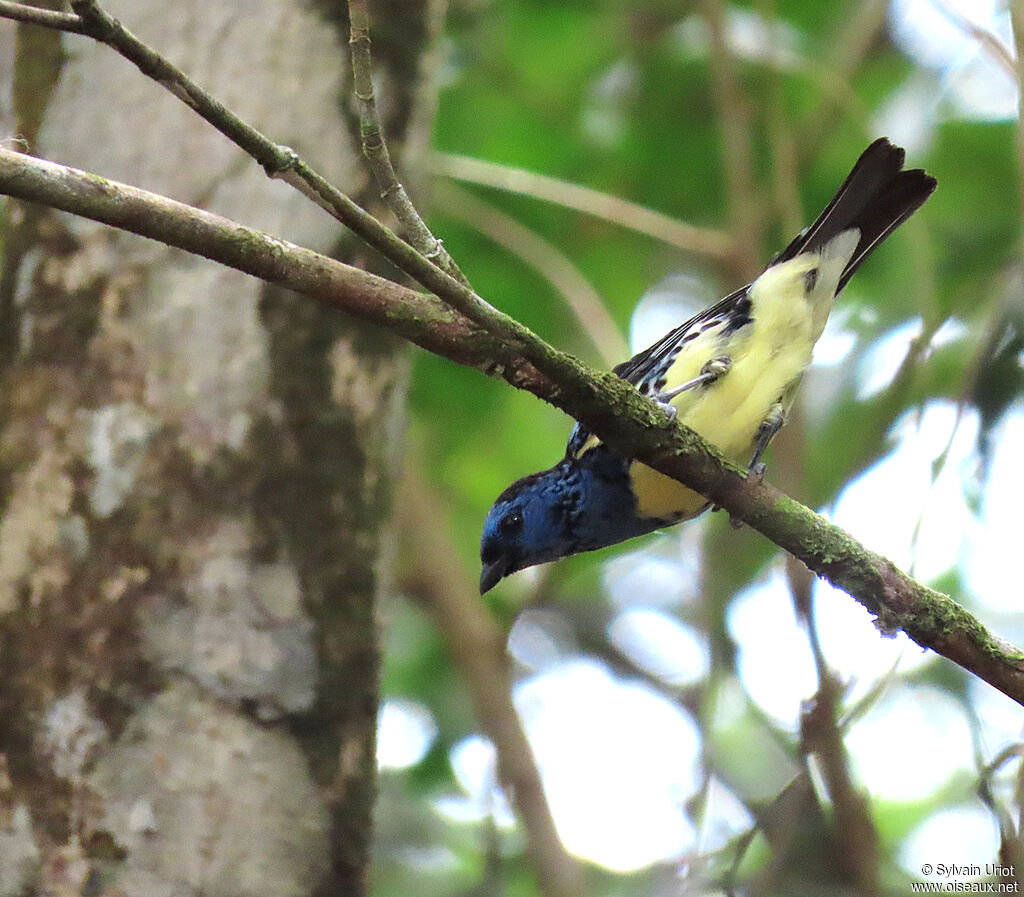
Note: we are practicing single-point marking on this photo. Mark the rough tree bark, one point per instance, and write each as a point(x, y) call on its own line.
point(194, 475)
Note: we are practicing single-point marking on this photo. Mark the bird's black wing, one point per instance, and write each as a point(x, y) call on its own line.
point(647, 369)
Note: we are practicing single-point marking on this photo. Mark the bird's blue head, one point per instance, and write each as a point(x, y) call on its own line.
point(528, 524)
point(577, 505)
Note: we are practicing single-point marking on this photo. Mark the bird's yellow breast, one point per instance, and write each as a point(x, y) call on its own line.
point(768, 356)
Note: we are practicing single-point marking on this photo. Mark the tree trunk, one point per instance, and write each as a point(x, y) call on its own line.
point(195, 471)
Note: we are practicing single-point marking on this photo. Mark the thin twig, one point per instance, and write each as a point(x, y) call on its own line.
point(1011, 837)
point(821, 735)
point(992, 45)
point(713, 244)
point(375, 148)
point(282, 162)
point(94, 22)
point(733, 113)
point(583, 300)
point(786, 193)
point(405, 258)
point(1017, 21)
point(606, 405)
point(62, 21)
point(844, 56)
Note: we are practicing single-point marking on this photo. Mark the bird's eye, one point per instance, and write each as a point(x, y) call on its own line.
point(511, 523)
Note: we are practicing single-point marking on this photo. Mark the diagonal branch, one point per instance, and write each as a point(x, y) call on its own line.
point(417, 317)
point(91, 20)
point(986, 38)
point(733, 112)
point(605, 404)
point(1017, 22)
point(713, 244)
point(841, 60)
point(375, 149)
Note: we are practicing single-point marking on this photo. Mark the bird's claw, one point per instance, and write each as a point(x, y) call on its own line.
point(714, 368)
point(709, 373)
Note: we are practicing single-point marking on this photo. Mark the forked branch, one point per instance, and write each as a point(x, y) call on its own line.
point(606, 405)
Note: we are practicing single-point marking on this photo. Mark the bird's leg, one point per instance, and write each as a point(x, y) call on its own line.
point(765, 434)
point(712, 371)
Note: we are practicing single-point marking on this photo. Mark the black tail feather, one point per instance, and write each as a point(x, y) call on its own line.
point(876, 198)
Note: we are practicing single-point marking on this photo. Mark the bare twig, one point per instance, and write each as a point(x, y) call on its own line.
point(94, 22)
point(62, 21)
point(603, 403)
point(1017, 19)
point(989, 42)
point(820, 734)
point(282, 162)
point(402, 255)
point(584, 301)
point(375, 148)
point(844, 56)
point(713, 244)
point(478, 651)
point(733, 115)
point(785, 183)
point(1011, 836)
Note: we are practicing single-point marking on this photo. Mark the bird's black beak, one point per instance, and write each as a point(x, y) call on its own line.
point(492, 574)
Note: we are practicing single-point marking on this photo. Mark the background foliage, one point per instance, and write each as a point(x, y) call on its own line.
point(924, 357)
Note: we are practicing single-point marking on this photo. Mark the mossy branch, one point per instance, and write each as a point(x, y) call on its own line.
point(605, 404)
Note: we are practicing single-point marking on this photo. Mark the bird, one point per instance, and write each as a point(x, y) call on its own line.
point(730, 373)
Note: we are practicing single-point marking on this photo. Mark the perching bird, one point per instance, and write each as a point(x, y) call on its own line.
point(730, 373)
